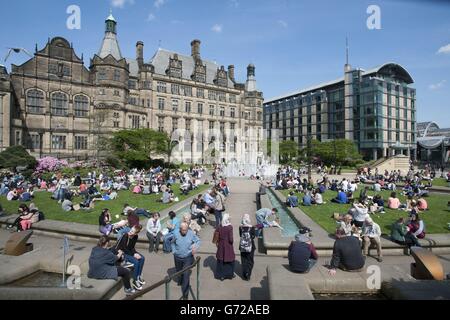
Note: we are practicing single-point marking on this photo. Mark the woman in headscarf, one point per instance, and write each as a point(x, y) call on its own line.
point(225, 252)
point(247, 246)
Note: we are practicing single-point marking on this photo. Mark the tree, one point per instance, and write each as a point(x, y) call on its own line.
point(337, 152)
point(137, 147)
point(100, 141)
point(288, 151)
point(16, 156)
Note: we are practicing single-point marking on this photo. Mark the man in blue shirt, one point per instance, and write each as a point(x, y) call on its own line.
point(341, 198)
point(292, 200)
point(184, 246)
point(266, 218)
point(307, 200)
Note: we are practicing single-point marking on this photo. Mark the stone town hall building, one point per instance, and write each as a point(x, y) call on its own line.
point(53, 105)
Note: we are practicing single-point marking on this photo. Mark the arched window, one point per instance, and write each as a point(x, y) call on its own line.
point(81, 106)
point(35, 101)
point(60, 104)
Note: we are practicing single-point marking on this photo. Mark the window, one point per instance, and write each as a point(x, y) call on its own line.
point(187, 124)
point(132, 101)
point(175, 89)
point(18, 138)
point(161, 87)
point(222, 111)
point(161, 103)
point(81, 106)
point(187, 91)
point(58, 142)
point(222, 127)
point(116, 75)
point(232, 126)
point(232, 98)
point(212, 95)
point(131, 84)
point(175, 105)
point(187, 106)
point(259, 116)
point(35, 101)
point(232, 112)
point(222, 96)
point(135, 121)
point(211, 125)
point(101, 75)
point(174, 124)
point(149, 103)
point(101, 92)
point(147, 84)
point(246, 115)
point(117, 93)
point(200, 108)
point(200, 93)
point(81, 143)
point(161, 124)
point(116, 124)
point(59, 104)
point(405, 136)
point(211, 110)
point(34, 141)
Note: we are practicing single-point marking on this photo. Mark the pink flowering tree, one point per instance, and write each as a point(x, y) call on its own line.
point(50, 164)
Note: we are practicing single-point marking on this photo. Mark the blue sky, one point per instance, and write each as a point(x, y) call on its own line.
point(294, 44)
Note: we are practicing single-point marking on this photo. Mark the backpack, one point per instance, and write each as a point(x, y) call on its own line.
point(245, 244)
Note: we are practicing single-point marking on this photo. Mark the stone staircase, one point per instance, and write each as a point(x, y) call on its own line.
point(398, 162)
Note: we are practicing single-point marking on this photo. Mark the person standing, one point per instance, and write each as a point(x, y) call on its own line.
point(219, 207)
point(185, 244)
point(225, 252)
point(247, 246)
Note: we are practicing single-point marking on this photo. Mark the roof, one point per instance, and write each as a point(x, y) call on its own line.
point(161, 62)
point(110, 46)
point(386, 68)
point(110, 18)
point(133, 67)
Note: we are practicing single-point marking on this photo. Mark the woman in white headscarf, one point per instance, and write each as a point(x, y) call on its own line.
point(247, 246)
point(225, 252)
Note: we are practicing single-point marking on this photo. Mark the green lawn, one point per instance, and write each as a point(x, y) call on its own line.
point(439, 182)
point(436, 219)
point(53, 211)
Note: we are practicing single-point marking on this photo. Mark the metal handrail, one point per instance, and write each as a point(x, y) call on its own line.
point(167, 280)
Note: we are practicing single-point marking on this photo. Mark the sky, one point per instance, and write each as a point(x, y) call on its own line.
point(294, 44)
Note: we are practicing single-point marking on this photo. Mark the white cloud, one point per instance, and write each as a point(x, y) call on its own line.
point(217, 28)
point(159, 3)
point(436, 86)
point(282, 23)
point(151, 17)
point(120, 3)
point(444, 49)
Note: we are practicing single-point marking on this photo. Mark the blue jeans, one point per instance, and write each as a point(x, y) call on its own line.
point(167, 242)
point(138, 264)
point(122, 231)
point(142, 212)
point(181, 263)
point(218, 215)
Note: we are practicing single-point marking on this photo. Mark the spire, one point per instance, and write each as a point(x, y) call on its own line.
point(347, 66)
point(250, 85)
point(110, 44)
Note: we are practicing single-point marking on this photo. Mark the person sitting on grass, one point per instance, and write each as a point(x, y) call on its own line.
point(137, 189)
point(377, 205)
point(347, 255)
point(127, 244)
point(292, 200)
point(67, 204)
point(318, 199)
point(363, 195)
point(167, 197)
point(27, 195)
point(302, 254)
point(422, 204)
point(139, 211)
point(103, 265)
point(12, 195)
point(307, 199)
point(394, 202)
point(341, 197)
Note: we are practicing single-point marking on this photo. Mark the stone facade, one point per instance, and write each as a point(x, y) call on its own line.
point(54, 105)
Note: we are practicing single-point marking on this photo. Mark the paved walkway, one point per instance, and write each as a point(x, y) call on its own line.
point(241, 200)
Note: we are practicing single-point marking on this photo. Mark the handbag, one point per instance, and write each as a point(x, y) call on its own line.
point(215, 239)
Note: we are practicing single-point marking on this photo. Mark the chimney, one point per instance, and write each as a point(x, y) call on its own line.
point(140, 53)
point(195, 49)
point(231, 72)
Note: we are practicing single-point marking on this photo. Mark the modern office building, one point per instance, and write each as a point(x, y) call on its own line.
point(54, 105)
point(375, 108)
